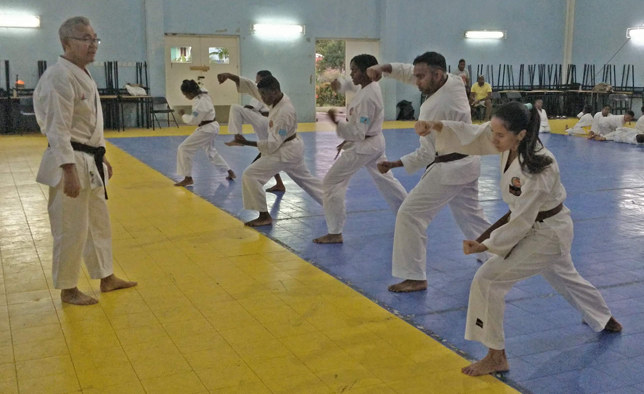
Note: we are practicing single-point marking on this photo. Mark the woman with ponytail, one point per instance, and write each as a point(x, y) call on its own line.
point(202, 116)
point(534, 238)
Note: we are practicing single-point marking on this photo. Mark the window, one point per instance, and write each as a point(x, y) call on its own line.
point(181, 54)
point(218, 55)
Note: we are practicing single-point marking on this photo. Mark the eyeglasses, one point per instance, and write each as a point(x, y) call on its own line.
point(88, 41)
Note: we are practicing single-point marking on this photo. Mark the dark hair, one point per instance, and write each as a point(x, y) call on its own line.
point(190, 86)
point(516, 118)
point(462, 61)
point(268, 83)
point(631, 113)
point(588, 109)
point(363, 62)
point(642, 109)
point(432, 59)
point(607, 106)
point(539, 99)
point(264, 73)
point(639, 138)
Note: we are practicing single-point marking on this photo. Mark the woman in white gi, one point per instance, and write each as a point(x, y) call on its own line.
point(203, 116)
point(364, 146)
point(585, 120)
point(533, 238)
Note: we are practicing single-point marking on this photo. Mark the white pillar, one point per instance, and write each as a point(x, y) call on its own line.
point(155, 45)
point(568, 36)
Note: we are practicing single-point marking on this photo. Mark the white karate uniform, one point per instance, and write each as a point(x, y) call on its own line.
point(277, 155)
point(68, 108)
point(610, 123)
point(453, 183)
point(365, 147)
point(626, 134)
point(545, 125)
point(585, 120)
point(522, 247)
point(595, 126)
point(203, 137)
point(240, 115)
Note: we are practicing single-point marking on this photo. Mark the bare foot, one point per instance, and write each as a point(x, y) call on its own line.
point(76, 297)
point(600, 138)
point(233, 143)
point(112, 283)
point(329, 239)
point(495, 361)
point(231, 175)
point(264, 219)
point(276, 189)
point(613, 325)
point(187, 181)
point(408, 286)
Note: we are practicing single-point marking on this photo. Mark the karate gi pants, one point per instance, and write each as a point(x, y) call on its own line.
point(202, 137)
point(239, 115)
point(262, 170)
point(537, 254)
point(419, 209)
point(576, 131)
point(336, 181)
point(81, 230)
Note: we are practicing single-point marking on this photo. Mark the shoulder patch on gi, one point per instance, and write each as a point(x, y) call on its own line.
point(282, 132)
point(364, 120)
point(515, 186)
point(195, 114)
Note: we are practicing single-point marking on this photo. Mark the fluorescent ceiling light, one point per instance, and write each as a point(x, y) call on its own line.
point(18, 20)
point(635, 32)
point(493, 34)
point(277, 30)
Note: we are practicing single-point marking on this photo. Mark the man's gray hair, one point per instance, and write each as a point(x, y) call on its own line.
point(68, 27)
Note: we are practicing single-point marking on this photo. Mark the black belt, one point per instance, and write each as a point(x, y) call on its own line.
point(98, 153)
point(205, 122)
point(543, 215)
point(447, 158)
point(291, 138)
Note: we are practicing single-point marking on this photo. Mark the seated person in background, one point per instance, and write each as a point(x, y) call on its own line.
point(612, 129)
point(462, 72)
point(482, 96)
point(585, 120)
point(468, 92)
point(594, 128)
point(545, 125)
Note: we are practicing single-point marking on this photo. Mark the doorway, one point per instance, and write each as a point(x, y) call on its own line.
point(332, 61)
point(201, 58)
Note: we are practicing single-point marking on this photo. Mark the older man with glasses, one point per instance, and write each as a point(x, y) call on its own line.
point(68, 110)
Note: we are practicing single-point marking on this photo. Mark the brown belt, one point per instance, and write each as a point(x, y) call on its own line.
point(447, 158)
point(291, 138)
point(205, 122)
point(543, 215)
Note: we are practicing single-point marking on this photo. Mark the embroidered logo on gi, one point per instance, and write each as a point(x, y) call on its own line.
point(282, 132)
point(515, 186)
point(195, 114)
point(364, 120)
point(479, 323)
point(351, 112)
point(270, 124)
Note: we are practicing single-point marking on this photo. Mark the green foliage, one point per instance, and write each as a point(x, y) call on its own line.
point(325, 97)
point(334, 52)
point(327, 69)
